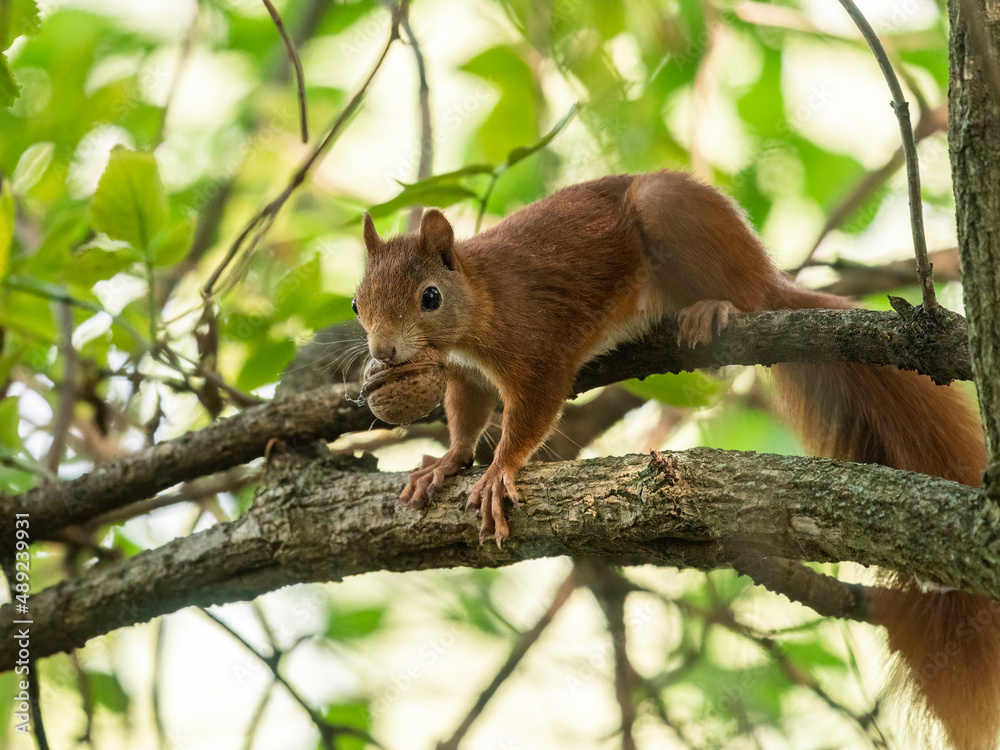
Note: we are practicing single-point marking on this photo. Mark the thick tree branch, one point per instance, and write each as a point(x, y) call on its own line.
point(974, 121)
point(325, 520)
point(326, 413)
point(865, 336)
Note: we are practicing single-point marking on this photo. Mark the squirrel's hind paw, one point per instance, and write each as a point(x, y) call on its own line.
point(694, 322)
point(487, 495)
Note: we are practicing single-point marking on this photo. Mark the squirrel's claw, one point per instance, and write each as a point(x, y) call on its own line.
point(429, 478)
point(487, 495)
point(694, 322)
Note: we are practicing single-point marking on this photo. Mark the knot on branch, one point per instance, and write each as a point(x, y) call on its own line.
point(934, 341)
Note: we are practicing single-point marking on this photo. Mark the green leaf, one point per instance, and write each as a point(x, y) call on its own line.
point(344, 16)
point(136, 317)
point(297, 289)
point(727, 585)
point(441, 195)
point(265, 363)
point(19, 17)
point(9, 90)
point(476, 608)
point(762, 107)
point(14, 482)
point(29, 313)
point(108, 692)
point(172, 244)
point(9, 421)
point(55, 251)
point(125, 545)
point(130, 202)
point(349, 624)
point(744, 429)
point(325, 310)
point(828, 176)
point(6, 225)
point(95, 264)
point(812, 653)
point(32, 165)
point(685, 389)
point(13, 350)
point(523, 152)
point(450, 178)
point(355, 714)
point(514, 120)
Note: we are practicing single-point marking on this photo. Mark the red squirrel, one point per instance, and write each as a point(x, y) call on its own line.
point(519, 308)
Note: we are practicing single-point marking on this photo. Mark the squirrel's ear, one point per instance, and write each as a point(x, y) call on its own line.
point(437, 237)
point(372, 240)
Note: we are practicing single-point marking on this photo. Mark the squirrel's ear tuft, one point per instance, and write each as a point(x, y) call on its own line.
point(372, 240)
point(437, 237)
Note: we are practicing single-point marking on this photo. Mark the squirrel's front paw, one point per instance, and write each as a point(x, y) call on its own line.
point(429, 478)
point(488, 494)
point(694, 323)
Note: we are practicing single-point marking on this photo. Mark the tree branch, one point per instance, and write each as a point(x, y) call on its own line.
point(293, 55)
point(974, 119)
point(327, 519)
point(902, 110)
point(327, 413)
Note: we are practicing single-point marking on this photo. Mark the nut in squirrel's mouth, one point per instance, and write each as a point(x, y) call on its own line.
point(378, 374)
point(407, 391)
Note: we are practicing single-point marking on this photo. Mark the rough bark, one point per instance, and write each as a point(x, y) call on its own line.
point(327, 519)
point(974, 126)
point(328, 412)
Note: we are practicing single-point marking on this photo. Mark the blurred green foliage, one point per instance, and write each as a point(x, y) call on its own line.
point(115, 206)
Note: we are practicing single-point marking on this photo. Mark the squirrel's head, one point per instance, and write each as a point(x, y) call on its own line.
point(412, 294)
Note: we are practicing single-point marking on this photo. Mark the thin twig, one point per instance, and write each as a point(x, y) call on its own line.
point(257, 227)
point(32, 675)
point(610, 589)
point(35, 703)
point(257, 715)
point(858, 280)
point(182, 57)
point(86, 697)
point(931, 122)
point(327, 731)
point(193, 492)
point(58, 295)
point(825, 595)
point(527, 639)
point(297, 63)
point(15, 462)
point(426, 133)
point(62, 418)
point(210, 217)
point(902, 110)
point(722, 615)
point(173, 359)
point(518, 155)
point(159, 654)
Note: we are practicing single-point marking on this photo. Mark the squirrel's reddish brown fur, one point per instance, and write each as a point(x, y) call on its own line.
point(523, 305)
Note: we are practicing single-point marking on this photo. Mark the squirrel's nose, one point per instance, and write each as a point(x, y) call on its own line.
point(384, 353)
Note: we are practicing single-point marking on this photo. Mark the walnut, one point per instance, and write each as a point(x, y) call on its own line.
point(404, 393)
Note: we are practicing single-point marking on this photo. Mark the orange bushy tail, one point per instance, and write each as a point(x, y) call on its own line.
point(946, 643)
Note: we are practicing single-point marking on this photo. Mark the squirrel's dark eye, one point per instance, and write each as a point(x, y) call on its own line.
point(431, 299)
point(354, 306)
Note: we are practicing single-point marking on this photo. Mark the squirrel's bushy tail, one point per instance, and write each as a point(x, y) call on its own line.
point(946, 643)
